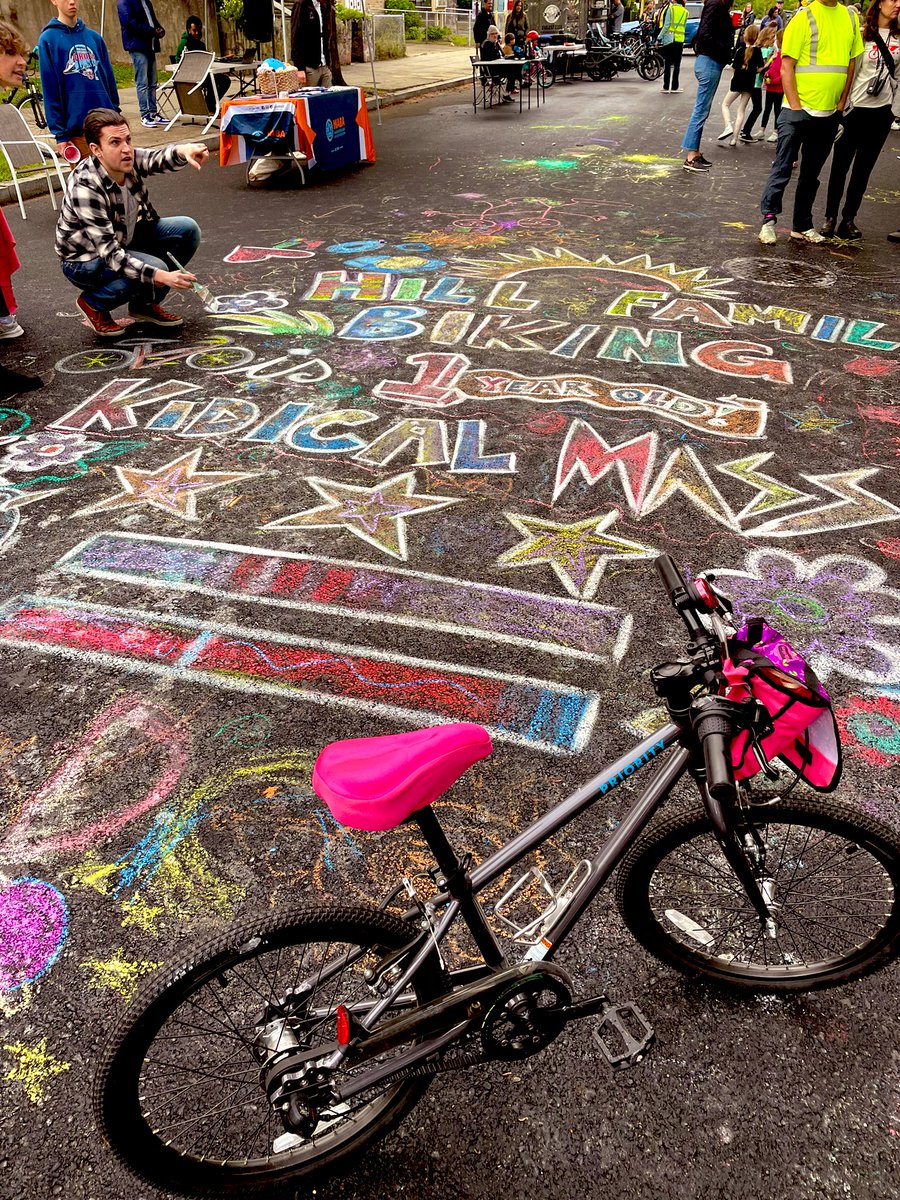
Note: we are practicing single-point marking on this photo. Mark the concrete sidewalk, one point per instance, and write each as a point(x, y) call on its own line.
point(426, 68)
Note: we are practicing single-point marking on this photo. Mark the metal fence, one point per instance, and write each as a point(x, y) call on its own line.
point(457, 20)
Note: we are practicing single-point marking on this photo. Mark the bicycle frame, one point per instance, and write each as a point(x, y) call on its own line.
point(412, 956)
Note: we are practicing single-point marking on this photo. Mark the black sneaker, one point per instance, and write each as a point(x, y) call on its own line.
point(747, 137)
point(696, 164)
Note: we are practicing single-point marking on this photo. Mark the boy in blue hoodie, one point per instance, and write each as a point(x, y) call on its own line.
point(76, 74)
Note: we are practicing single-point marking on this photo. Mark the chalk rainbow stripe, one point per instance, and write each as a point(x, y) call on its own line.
point(367, 592)
point(546, 716)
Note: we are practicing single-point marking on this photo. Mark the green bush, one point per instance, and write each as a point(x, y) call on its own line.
point(343, 13)
point(412, 20)
point(438, 33)
point(231, 10)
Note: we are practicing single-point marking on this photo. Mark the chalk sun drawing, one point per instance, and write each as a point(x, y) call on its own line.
point(509, 265)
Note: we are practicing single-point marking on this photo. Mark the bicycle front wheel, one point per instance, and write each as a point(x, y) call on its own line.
point(35, 103)
point(177, 1095)
point(832, 875)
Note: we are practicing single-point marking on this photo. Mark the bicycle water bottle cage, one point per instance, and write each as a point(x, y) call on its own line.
point(376, 783)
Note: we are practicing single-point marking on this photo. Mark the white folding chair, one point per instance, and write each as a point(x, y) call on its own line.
point(191, 97)
point(26, 155)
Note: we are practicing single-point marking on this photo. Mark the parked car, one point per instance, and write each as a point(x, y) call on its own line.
point(690, 30)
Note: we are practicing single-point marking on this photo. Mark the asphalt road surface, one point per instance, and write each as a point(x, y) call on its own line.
point(418, 382)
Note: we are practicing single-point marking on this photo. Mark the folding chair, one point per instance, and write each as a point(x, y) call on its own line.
point(26, 155)
point(491, 85)
point(191, 97)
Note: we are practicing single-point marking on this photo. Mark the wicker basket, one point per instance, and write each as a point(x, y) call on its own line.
point(287, 79)
point(266, 83)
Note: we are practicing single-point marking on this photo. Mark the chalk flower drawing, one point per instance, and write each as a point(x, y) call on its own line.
point(872, 726)
point(36, 450)
point(249, 302)
point(835, 609)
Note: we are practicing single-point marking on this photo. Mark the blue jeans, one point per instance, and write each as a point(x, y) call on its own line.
point(105, 289)
point(708, 73)
point(810, 139)
point(145, 81)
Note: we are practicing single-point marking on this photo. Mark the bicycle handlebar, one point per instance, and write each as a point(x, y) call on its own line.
point(715, 729)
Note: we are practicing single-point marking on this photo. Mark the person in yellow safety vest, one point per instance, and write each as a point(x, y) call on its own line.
point(671, 43)
point(818, 56)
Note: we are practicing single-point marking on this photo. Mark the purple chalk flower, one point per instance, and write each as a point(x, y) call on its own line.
point(37, 450)
point(836, 610)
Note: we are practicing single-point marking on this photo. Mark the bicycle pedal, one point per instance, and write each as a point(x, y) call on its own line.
point(624, 1035)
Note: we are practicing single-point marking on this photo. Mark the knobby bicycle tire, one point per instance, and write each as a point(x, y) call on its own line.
point(121, 1085)
point(667, 879)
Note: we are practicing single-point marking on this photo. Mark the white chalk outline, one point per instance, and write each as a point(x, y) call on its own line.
point(580, 608)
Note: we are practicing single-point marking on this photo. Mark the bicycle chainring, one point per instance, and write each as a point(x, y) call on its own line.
point(525, 1019)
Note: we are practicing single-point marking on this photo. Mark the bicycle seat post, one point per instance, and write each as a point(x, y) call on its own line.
point(458, 884)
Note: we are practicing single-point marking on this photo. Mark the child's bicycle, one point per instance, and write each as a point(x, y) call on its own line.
point(29, 95)
point(283, 1047)
point(538, 69)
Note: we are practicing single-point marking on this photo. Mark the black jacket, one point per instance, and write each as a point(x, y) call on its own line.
point(483, 22)
point(306, 35)
point(715, 35)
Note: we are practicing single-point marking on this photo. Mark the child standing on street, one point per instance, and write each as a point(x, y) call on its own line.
point(76, 75)
point(747, 61)
point(774, 89)
point(766, 46)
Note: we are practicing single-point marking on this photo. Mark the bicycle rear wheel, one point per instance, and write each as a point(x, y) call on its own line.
point(177, 1094)
point(650, 65)
point(832, 872)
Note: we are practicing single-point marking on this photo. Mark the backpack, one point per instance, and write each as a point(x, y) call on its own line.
point(764, 665)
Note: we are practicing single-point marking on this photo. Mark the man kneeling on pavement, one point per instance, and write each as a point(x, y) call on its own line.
point(114, 246)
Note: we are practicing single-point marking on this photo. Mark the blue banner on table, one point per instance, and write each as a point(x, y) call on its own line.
point(332, 119)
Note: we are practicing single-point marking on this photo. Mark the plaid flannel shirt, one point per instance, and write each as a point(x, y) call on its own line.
point(92, 219)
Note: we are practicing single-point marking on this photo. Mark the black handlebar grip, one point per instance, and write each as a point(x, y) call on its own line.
point(715, 733)
point(672, 578)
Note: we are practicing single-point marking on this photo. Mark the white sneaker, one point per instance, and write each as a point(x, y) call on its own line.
point(675, 91)
point(760, 137)
point(725, 134)
point(10, 328)
point(733, 142)
point(808, 235)
point(773, 137)
point(767, 233)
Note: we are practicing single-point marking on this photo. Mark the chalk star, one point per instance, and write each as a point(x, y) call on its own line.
point(117, 973)
point(13, 498)
point(171, 488)
point(35, 1066)
point(578, 553)
point(376, 514)
point(813, 418)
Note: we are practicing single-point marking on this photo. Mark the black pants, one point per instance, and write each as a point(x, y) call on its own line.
point(774, 101)
point(755, 110)
point(810, 139)
point(865, 132)
point(672, 59)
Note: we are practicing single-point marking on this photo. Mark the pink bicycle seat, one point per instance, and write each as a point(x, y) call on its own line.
point(376, 783)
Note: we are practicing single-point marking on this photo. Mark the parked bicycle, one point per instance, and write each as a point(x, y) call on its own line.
point(283, 1047)
point(608, 57)
point(29, 95)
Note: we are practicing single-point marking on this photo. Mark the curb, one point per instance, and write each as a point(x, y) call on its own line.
point(31, 188)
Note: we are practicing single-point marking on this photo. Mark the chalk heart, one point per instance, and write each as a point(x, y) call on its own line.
point(128, 761)
point(34, 923)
